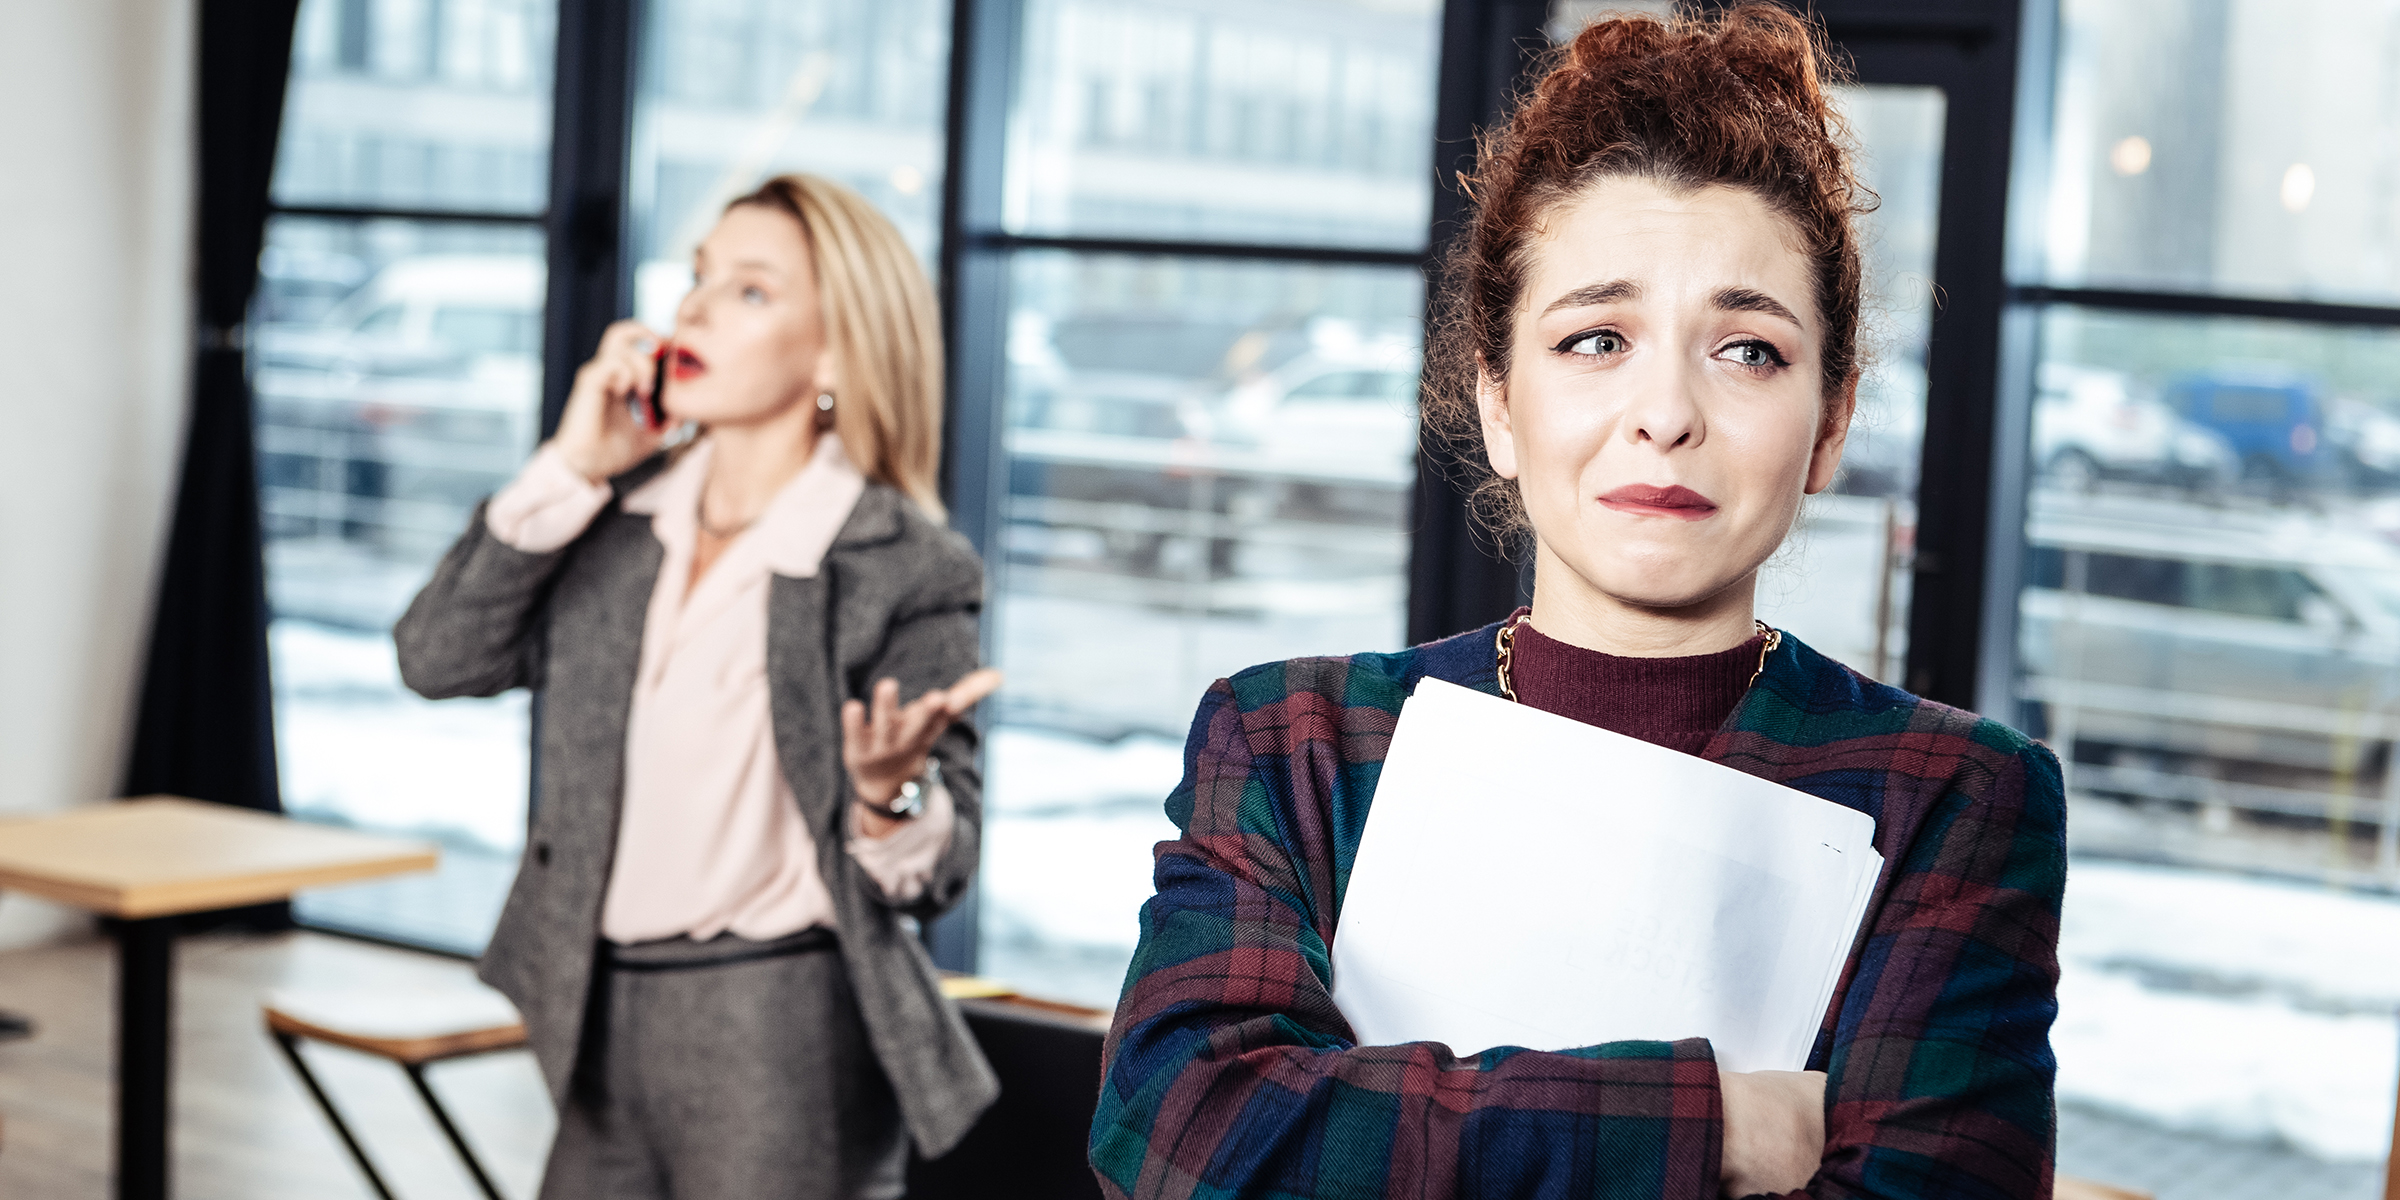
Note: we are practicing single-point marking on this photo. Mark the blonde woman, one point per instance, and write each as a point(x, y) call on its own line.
point(709, 935)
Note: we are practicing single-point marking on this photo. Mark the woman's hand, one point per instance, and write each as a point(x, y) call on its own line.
point(599, 434)
point(885, 746)
point(1774, 1130)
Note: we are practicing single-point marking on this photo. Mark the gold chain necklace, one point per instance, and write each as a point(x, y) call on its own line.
point(1506, 640)
point(700, 515)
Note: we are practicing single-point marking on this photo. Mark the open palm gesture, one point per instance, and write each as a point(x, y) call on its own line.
point(884, 743)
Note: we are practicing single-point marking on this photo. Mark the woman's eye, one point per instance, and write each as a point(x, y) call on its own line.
point(1753, 354)
point(1598, 342)
point(754, 295)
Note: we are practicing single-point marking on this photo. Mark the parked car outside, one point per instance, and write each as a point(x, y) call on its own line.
point(2274, 422)
point(299, 285)
point(414, 397)
point(1113, 453)
point(1131, 462)
point(2090, 425)
point(2366, 440)
point(2190, 649)
point(1330, 436)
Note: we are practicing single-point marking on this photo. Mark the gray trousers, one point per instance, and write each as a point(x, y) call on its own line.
point(710, 1080)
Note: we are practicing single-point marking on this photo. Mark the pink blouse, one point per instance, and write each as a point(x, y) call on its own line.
point(710, 839)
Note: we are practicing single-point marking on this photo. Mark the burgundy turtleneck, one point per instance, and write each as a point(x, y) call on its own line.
point(1673, 702)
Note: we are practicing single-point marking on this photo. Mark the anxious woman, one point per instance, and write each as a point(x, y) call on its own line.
point(739, 823)
point(1650, 351)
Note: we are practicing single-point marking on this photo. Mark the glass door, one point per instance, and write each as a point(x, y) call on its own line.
point(1841, 583)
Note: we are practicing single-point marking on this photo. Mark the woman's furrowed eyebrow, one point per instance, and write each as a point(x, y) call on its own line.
point(1742, 299)
point(1732, 299)
point(1596, 293)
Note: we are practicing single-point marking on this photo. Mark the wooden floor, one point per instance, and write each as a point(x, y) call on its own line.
point(244, 1128)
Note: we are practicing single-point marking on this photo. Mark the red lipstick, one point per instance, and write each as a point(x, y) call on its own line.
point(685, 364)
point(1645, 500)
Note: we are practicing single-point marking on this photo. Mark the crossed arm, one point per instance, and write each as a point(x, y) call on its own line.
point(1230, 1072)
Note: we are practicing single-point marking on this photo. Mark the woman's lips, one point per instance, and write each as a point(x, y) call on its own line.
point(686, 364)
point(1641, 499)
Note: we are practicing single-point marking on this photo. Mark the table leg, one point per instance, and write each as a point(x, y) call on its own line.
point(145, 1018)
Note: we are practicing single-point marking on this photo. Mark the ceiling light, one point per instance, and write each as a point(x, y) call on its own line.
point(2131, 156)
point(2299, 186)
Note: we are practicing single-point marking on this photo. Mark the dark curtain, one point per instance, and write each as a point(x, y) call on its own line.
point(205, 726)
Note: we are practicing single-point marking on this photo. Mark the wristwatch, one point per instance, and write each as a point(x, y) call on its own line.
point(911, 800)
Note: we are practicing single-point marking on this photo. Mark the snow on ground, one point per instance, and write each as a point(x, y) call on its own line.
point(2242, 1069)
point(1033, 772)
point(1078, 880)
point(2229, 1006)
point(2314, 946)
point(1068, 832)
point(356, 747)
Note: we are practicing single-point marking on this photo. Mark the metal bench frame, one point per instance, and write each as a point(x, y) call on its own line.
point(290, 1043)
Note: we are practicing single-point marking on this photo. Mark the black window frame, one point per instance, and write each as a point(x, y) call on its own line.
point(1962, 620)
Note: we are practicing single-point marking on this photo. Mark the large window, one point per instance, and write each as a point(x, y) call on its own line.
point(1209, 466)
point(1185, 247)
point(1304, 123)
point(2209, 629)
point(730, 92)
point(1208, 457)
point(396, 360)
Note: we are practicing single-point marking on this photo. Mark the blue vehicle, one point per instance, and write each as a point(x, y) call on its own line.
point(2275, 423)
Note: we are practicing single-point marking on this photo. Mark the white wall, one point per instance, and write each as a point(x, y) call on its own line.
point(95, 320)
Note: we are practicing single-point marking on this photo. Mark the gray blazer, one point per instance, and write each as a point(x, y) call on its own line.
point(896, 596)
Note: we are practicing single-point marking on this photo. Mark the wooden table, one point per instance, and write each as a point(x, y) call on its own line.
point(148, 861)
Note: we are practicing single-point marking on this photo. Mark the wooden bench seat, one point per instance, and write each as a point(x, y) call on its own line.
point(410, 1027)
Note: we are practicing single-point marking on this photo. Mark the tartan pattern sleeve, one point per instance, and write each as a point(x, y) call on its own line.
point(1941, 1081)
point(1230, 1073)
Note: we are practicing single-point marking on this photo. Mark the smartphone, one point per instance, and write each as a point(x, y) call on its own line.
point(654, 406)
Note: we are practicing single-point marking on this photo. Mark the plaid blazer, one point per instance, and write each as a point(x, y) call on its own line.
point(1229, 1072)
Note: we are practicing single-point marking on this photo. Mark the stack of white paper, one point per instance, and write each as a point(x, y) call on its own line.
point(1528, 880)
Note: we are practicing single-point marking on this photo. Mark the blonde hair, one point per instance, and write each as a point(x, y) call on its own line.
point(883, 327)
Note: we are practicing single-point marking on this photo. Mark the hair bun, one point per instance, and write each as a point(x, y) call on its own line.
point(1740, 99)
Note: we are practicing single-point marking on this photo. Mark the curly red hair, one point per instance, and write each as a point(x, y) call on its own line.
point(1736, 99)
